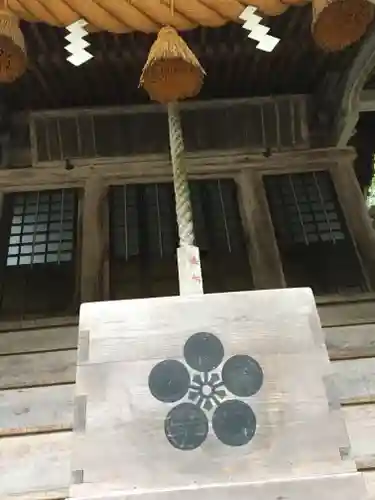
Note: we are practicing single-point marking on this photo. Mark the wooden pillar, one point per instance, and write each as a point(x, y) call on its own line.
point(356, 213)
point(263, 252)
point(94, 254)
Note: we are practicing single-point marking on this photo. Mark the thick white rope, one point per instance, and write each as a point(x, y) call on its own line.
point(180, 181)
point(189, 267)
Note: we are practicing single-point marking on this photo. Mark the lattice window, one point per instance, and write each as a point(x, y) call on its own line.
point(314, 242)
point(38, 252)
point(144, 239)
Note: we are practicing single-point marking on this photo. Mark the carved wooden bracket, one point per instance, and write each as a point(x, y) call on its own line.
point(336, 104)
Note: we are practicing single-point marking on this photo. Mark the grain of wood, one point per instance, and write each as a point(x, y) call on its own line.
point(350, 341)
point(27, 370)
point(47, 339)
point(360, 423)
point(262, 247)
point(33, 464)
point(355, 212)
point(38, 323)
point(40, 409)
point(43, 408)
point(342, 341)
point(296, 435)
point(347, 313)
point(333, 487)
point(94, 246)
point(57, 494)
point(138, 167)
point(355, 380)
point(48, 409)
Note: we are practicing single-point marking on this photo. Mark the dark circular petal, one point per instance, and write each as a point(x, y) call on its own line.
point(203, 352)
point(234, 423)
point(186, 426)
point(242, 375)
point(169, 381)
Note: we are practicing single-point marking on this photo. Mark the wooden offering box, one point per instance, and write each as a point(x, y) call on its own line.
point(208, 397)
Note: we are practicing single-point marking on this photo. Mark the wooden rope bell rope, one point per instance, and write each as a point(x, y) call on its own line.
point(172, 73)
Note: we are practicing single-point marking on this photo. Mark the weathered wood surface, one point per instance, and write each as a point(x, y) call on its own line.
point(355, 380)
point(35, 466)
point(297, 436)
point(157, 166)
point(354, 376)
point(350, 486)
point(347, 312)
point(360, 423)
point(45, 368)
point(39, 340)
point(370, 483)
point(356, 214)
point(56, 494)
point(48, 356)
point(94, 246)
point(262, 247)
point(39, 409)
point(350, 341)
point(38, 323)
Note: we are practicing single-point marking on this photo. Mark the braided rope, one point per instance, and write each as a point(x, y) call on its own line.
point(122, 16)
point(181, 187)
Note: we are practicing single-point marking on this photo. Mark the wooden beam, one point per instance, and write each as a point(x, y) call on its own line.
point(367, 101)
point(357, 217)
point(336, 103)
point(263, 252)
point(145, 168)
point(94, 246)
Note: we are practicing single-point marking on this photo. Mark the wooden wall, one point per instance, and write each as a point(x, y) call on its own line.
point(37, 375)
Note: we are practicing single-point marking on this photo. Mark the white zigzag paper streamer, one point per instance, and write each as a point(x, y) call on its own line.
point(258, 32)
point(77, 44)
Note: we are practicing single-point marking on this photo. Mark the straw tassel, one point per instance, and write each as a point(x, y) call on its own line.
point(340, 23)
point(172, 72)
point(13, 58)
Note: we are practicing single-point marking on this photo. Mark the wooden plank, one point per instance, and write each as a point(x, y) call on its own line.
point(350, 341)
point(342, 342)
point(360, 424)
point(29, 179)
point(47, 339)
point(33, 410)
point(28, 324)
point(27, 370)
point(33, 464)
point(355, 380)
point(50, 408)
point(347, 312)
point(361, 429)
point(347, 486)
point(57, 494)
